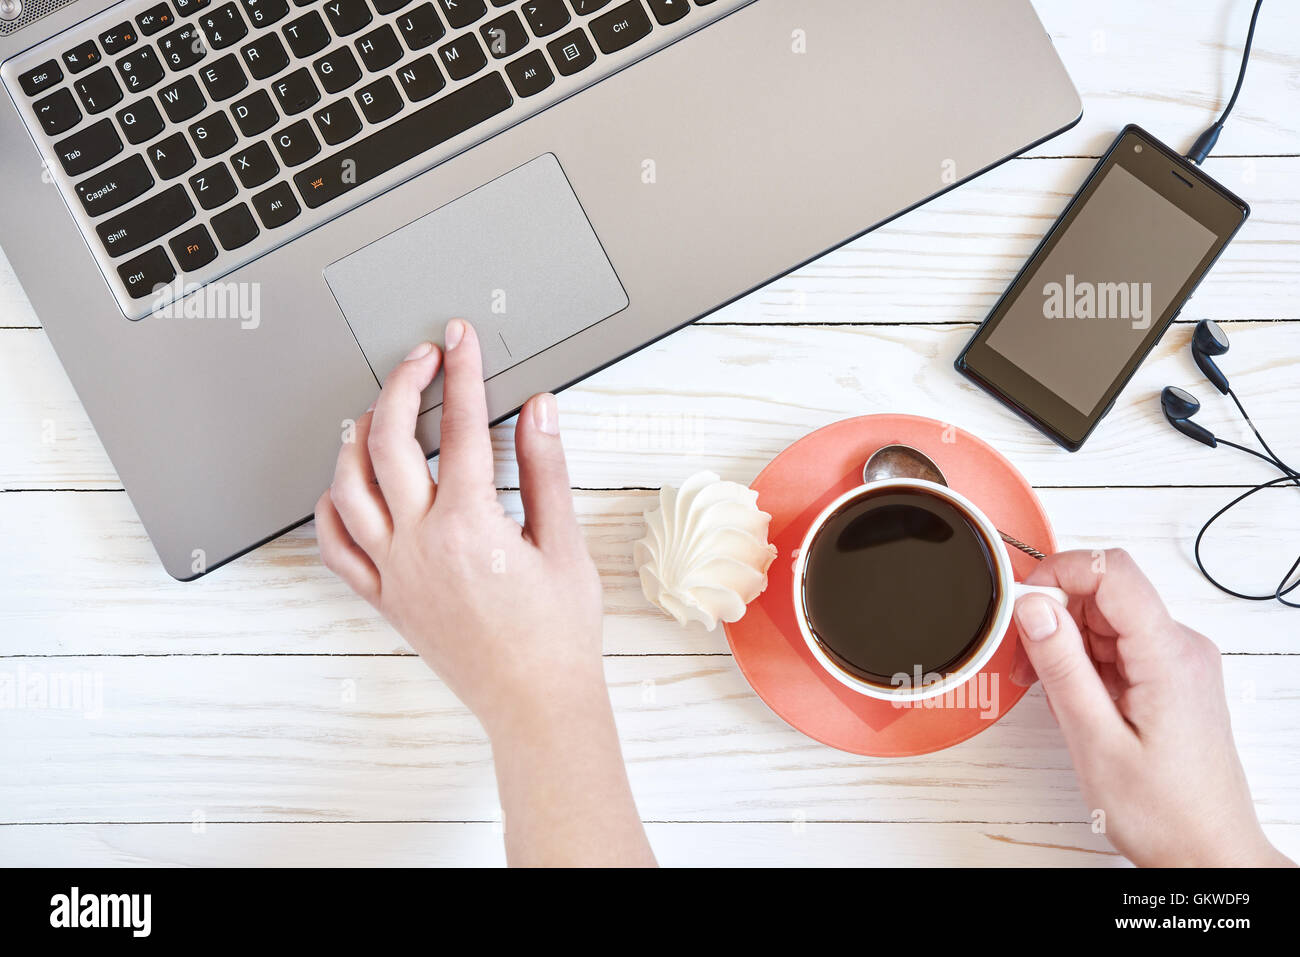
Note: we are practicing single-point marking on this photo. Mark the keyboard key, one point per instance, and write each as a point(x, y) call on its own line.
point(254, 113)
point(193, 248)
point(82, 57)
point(621, 27)
point(265, 56)
point(57, 112)
point(462, 56)
point(223, 78)
point(146, 272)
point(584, 7)
point(182, 48)
point(115, 186)
point(254, 165)
point(235, 227)
point(530, 74)
point(276, 206)
point(146, 222)
point(420, 27)
point(155, 19)
point(347, 16)
point(388, 6)
point(545, 16)
point(296, 92)
point(306, 35)
point(182, 99)
point(379, 48)
point(88, 148)
point(379, 100)
point(572, 52)
point(213, 134)
point(190, 7)
point(504, 36)
point(223, 26)
point(213, 186)
point(140, 121)
point(461, 13)
point(420, 130)
point(171, 156)
point(337, 122)
point(669, 11)
point(118, 39)
point(296, 144)
point(41, 78)
point(98, 91)
point(337, 70)
point(420, 78)
point(263, 13)
point(140, 69)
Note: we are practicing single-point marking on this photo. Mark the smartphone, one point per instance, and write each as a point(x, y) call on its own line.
point(1102, 287)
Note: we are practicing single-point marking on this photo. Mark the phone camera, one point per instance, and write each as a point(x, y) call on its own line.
point(1137, 147)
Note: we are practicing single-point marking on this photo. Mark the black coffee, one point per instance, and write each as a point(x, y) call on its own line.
point(899, 580)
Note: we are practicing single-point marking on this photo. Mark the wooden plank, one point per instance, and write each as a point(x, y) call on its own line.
point(381, 739)
point(450, 845)
point(1173, 74)
point(81, 578)
point(729, 399)
point(408, 844)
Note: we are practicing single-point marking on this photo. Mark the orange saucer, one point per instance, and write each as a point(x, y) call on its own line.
point(766, 643)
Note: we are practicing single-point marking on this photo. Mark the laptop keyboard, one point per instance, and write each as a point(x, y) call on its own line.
point(190, 137)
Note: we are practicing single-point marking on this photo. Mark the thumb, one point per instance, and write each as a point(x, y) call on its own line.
point(1054, 647)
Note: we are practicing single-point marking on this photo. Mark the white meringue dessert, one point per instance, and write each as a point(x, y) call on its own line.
point(705, 554)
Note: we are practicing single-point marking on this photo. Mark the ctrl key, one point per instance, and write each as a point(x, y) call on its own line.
point(146, 272)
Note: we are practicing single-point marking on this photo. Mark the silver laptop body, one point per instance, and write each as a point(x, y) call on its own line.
point(226, 285)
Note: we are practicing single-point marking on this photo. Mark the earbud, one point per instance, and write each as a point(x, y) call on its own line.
point(1209, 340)
point(1179, 406)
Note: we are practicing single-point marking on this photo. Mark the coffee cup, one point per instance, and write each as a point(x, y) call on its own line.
point(903, 589)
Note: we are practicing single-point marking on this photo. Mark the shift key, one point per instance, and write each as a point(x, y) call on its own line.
point(416, 133)
point(146, 221)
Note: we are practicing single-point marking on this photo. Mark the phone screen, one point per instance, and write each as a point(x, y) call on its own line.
point(1102, 287)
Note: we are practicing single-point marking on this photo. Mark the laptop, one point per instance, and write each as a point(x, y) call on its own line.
point(234, 217)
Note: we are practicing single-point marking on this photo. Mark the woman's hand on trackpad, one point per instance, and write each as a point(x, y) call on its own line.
point(508, 615)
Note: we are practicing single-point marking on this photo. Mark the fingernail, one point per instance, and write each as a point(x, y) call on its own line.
point(455, 332)
point(1035, 617)
point(371, 406)
point(546, 414)
point(419, 352)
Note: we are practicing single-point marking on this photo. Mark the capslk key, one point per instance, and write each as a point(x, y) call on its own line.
point(115, 186)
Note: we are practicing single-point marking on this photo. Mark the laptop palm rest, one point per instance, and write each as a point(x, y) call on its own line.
point(517, 257)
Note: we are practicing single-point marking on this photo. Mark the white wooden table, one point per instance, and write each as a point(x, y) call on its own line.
point(265, 716)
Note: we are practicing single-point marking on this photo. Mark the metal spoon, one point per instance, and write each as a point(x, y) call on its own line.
point(903, 461)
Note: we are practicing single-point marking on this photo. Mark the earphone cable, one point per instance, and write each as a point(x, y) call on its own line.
point(1289, 477)
point(1205, 142)
point(1245, 415)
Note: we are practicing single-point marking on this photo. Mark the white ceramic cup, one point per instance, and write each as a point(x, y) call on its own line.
point(1008, 591)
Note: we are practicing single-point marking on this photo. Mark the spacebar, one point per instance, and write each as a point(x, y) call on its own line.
point(406, 139)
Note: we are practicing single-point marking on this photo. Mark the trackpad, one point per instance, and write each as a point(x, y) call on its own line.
point(516, 257)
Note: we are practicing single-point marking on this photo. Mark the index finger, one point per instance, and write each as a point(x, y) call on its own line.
point(465, 454)
point(1119, 590)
